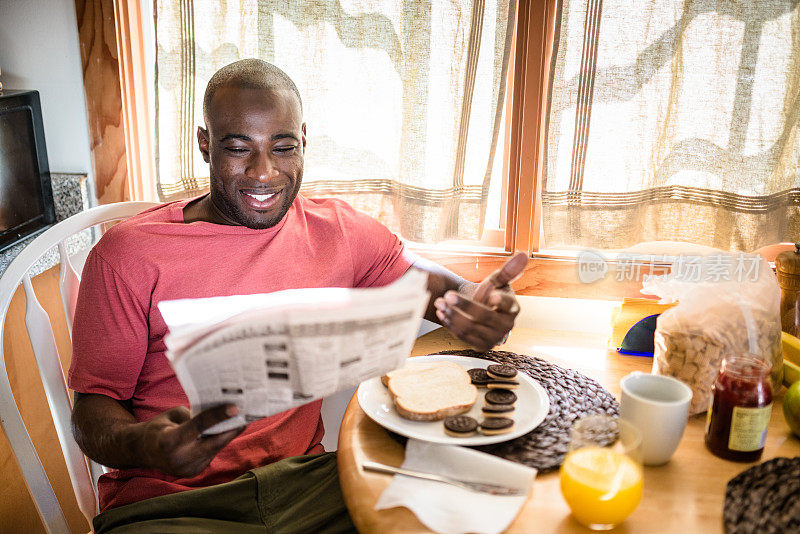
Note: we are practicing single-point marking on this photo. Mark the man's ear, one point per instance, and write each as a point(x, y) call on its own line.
point(202, 142)
point(304, 136)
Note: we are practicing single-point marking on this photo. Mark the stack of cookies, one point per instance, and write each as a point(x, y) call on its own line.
point(499, 399)
point(499, 380)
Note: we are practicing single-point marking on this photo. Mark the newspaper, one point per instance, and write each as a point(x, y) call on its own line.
point(270, 352)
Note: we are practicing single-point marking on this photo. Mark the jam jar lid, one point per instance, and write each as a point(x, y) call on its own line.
point(788, 261)
point(746, 366)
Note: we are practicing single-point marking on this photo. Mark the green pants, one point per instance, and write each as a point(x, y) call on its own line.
point(299, 494)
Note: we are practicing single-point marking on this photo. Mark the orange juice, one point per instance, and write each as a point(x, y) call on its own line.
point(601, 486)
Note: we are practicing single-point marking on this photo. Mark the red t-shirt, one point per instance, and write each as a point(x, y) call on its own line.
point(118, 333)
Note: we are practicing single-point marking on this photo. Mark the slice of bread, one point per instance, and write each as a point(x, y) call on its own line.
point(430, 392)
point(410, 367)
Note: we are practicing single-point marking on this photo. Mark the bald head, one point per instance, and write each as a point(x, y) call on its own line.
point(249, 74)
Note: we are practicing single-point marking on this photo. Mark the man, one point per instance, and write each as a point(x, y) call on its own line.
point(252, 233)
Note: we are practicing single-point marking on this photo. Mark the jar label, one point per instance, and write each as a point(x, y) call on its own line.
point(749, 428)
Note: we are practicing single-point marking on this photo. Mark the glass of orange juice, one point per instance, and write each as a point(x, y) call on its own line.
point(601, 477)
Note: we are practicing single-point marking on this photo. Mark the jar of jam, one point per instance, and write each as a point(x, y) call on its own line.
point(741, 404)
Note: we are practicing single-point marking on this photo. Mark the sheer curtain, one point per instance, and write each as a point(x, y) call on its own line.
point(401, 98)
point(674, 120)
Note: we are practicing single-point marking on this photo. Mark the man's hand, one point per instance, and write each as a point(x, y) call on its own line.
point(173, 441)
point(485, 319)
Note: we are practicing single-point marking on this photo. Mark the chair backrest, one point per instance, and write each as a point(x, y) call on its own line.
point(45, 350)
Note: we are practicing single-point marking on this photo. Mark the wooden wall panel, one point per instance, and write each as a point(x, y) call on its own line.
point(101, 80)
point(17, 511)
point(548, 277)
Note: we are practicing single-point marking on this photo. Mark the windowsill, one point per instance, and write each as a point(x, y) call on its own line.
point(456, 249)
point(639, 252)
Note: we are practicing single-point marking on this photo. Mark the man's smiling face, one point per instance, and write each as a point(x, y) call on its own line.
point(254, 144)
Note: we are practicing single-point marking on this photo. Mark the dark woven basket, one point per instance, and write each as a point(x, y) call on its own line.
point(764, 499)
point(572, 396)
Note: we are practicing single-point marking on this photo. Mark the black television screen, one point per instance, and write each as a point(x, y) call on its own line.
point(26, 198)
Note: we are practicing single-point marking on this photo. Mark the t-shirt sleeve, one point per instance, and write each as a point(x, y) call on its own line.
point(379, 257)
point(109, 333)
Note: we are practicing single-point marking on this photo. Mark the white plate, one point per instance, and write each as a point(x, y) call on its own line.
point(530, 409)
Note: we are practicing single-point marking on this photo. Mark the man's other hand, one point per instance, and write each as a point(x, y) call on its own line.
point(485, 319)
point(173, 441)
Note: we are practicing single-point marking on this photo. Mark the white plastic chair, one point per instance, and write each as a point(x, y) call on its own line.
point(44, 347)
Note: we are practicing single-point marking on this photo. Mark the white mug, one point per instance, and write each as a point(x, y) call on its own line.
point(659, 407)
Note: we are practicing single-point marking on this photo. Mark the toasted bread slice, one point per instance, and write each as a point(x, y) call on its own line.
point(430, 392)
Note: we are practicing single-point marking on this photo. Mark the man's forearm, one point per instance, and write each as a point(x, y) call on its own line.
point(440, 281)
point(480, 314)
point(106, 432)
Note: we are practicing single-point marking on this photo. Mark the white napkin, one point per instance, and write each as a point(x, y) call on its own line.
point(449, 509)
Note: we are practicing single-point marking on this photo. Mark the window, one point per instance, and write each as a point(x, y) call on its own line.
point(553, 194)
point(673, 122)
point(135, 36)
point(403, 100)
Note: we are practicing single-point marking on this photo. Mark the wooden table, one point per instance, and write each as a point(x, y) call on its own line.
point(686, 495)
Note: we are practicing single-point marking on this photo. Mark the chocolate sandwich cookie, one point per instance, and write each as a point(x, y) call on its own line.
point(501, 372)
point(460, 426)
point(502, 384)
point(496, 425)
point(500, 396)
point(479, 376)
point(497, 410)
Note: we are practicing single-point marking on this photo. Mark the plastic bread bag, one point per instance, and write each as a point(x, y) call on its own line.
point(727, 305)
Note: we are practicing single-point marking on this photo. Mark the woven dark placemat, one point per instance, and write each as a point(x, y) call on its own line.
point(572, 396)
point(765, 499)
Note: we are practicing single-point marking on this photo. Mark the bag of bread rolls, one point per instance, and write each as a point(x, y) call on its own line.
point(728, 304)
